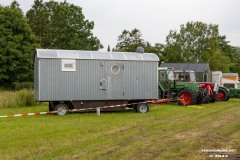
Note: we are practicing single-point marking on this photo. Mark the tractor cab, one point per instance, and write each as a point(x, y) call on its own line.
point(166, 78)
point(185, 76)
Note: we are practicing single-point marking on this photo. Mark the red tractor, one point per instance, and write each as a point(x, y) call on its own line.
point(208, 90)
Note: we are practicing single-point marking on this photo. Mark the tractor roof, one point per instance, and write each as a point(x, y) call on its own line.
point(196, 67)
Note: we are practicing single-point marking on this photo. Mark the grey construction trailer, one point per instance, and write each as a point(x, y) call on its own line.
point(73, 79)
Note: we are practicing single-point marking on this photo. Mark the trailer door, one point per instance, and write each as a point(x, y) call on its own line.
point(115, 80)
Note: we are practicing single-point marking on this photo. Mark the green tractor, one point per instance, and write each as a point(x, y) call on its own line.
point(186, 92)
point(234, 92)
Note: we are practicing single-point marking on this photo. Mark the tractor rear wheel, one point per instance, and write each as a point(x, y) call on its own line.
point(222, 94)
point(187, 97)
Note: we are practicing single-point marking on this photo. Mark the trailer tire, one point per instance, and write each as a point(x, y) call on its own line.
point(142, 108)
point(51, 106)
point(61, 109)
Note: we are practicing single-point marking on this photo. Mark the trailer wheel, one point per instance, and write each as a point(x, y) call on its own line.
point(142, 108)
point(61, 109)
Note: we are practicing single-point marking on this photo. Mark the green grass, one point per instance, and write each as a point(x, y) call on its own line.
point(166, 132)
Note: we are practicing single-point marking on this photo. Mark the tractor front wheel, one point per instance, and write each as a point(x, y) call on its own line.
point(222, 95)
point(187, 97)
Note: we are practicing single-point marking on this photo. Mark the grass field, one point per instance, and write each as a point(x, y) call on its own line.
point(166, 132)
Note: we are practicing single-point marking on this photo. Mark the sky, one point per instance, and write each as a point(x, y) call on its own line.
point(154, 18)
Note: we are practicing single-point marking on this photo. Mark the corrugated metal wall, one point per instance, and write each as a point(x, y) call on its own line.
point(135, 80)
point(140, 81)
point(36, 78)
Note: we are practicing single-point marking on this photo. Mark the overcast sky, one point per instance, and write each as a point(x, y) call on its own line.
point(154, 17)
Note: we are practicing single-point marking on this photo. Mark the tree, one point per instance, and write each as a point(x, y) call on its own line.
point(128, 41)
point(15, 5)
point(157, 49)
point(17, 45)
point(216, 61)
point(38, 20)
point(234, 54)
point(61, 25)
point(196, 42)
point(236, 65)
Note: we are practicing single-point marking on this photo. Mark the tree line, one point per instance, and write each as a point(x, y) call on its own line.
point(194, 42)
point(63, 26)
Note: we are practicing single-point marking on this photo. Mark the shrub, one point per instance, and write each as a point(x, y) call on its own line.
point(17, 99)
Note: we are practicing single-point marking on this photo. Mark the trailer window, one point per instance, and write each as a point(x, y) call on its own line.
point(115, 69)
point(68, 65)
